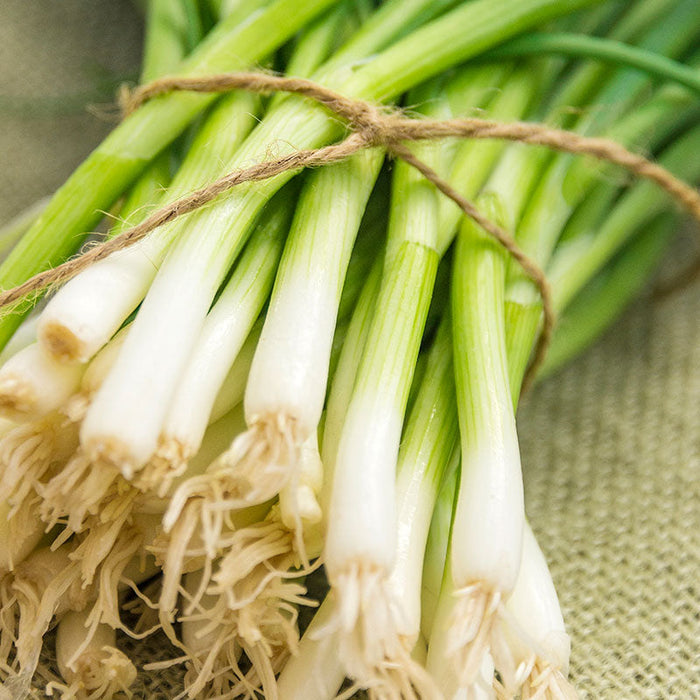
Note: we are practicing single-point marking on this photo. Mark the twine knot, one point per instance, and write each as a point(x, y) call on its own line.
point(372, 125)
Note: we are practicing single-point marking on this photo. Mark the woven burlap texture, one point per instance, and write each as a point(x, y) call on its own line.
point(611, 445)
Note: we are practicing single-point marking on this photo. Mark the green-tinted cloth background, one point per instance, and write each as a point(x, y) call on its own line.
point(611, 445)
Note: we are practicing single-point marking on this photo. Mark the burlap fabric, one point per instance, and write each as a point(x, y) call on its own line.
point(611, 445)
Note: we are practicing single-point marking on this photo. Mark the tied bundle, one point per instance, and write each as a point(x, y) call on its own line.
point(316, 358)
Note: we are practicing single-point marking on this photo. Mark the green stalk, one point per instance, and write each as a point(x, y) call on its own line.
point(288, 377)
point(638, 20)
point(223, 9)
point(568, 273)
point(567, 181)
point(410, 243)
point(389, 22)
point(441, 297)
point(568, 178)
point(486, 536)
point(445, 42)
point(289, 374)
point(513, 170)
point(601, 49)
point(659, 117)
point(165, 47)
point(475, 160)
point(165, 44)
point(411, 240)
point(367, 254)
point(606, 296)
point(106, 173)
point(317, 43)
point(419, 260)
point(370, 438)
point(369, 245)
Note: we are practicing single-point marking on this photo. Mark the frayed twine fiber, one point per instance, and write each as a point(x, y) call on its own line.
point(370, 126)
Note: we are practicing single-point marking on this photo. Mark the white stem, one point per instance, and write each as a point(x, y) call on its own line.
point(316, 671)
point(415, 507)
point(232, 389)
point(225, 329)
point(33, 383)
point(124, 420)
point(489, 517)
point(23, 336)
point(344, 377)
point(437, 548)
point(428, 450)
point(89, 309)
point(290, 368)
point(102, 363)
point(539, 624)
point(439, 661)
point(486, 540)
point(362, 526)
point(99, 669)
point(299, 497)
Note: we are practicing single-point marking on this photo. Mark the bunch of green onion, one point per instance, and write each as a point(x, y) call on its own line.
point(322, 367)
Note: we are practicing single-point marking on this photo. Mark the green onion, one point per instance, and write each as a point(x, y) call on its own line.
point(489, 514)
point(360, 546)
point(601, 49)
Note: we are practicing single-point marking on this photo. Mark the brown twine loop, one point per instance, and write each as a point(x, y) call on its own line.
point(370, 125)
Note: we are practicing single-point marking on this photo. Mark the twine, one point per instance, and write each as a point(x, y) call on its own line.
point(370, 126)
